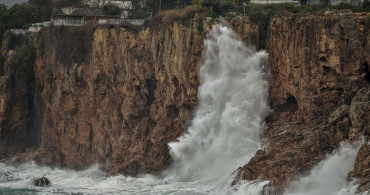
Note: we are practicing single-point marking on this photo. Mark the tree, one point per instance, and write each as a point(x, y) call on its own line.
point(21, 64)
point(22, 14)
point(211, 4)
point(63, 3)
point(111, 9)
point(98, 3)
point(195, 2)
point(44, 8)
point(366, 4)
point(136, 4)
point(225, 5)
point(218, 6)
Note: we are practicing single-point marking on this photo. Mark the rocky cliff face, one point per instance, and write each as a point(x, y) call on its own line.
point(319, 85)
point(117, 96)
point(19, 117)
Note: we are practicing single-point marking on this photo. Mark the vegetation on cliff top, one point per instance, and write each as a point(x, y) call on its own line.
point(21, 64)
point(169, 16)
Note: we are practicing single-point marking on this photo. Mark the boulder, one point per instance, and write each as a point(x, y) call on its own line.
point(338, 114)
point(41, 182)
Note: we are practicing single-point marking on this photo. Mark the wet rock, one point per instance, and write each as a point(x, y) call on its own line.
point(41, 182)
point(359, 111)
point(343, 129)
point(360, 125)
point(361, 169)
point(338, 114)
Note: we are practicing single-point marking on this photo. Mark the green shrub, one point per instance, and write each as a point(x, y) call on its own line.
point(366, 3)
point(367, 21)
point(196, 2)
point(225, 6)
point(218, 7)
point(21, 64)
point(170, 16)
point(111, 9)
point(200, 25)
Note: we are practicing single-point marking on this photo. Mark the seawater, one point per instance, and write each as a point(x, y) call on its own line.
point(224, 134)
point(327, 178)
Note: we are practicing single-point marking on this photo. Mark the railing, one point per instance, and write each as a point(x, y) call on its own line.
point(19, 31)
point(63, 22)
point(133, 21)
point(136, 21)
point(77, 22)
point(109, 21)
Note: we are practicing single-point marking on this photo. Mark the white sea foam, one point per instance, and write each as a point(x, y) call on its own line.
point(329, 176)
point(225, 131)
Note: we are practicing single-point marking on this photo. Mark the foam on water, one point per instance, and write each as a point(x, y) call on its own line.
point(18, 180)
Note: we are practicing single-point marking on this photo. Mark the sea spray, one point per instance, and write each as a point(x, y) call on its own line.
point(225, 130)
point(329, 176)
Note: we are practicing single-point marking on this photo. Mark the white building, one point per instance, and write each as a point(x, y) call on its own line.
point(74, 16)
point(36, 27)
point(274, 1)
point(19, 31)
point(351, 2)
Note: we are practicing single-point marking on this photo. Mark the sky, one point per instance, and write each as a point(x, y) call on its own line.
point(10, 3)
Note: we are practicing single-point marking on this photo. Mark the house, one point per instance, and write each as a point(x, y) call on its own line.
point(79, 16)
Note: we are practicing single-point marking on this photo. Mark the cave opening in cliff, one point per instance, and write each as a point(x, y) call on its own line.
point(323, 59)
point(290, 105)
point(367, 71)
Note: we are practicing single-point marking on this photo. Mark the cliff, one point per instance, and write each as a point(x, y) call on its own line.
point(319, 93)
point(123, 105)
point(117, 96)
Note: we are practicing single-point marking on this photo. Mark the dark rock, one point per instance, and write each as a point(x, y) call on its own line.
point(41, 182)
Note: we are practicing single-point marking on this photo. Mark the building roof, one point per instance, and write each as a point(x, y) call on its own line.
point(85, 12)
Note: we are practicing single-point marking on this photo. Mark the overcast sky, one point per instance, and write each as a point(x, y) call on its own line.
point(10, 3)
